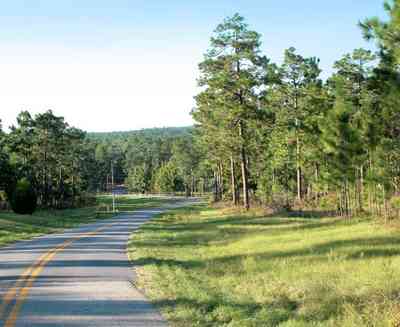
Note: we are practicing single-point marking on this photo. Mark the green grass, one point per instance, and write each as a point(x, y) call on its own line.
point(126, 203)
point(14, 227)
point(215, 267)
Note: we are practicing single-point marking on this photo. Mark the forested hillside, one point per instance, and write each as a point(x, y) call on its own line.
point(164, 132)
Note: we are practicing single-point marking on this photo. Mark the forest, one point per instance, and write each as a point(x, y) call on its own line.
point(268, 134)
point(282, 135)
point(52, 165)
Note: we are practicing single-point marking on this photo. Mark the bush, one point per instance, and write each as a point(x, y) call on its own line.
point(85, 200)
point(23, 199)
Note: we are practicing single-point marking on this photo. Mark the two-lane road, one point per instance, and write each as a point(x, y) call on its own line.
point(81, 277)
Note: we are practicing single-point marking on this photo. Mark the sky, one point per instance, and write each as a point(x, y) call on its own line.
point(112, 65)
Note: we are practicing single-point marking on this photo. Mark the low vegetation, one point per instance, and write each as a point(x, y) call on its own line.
point(126, 203)
point(219, 267)
point(15, 227)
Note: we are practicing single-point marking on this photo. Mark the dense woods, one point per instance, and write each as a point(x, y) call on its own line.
point(53, 160)
point(281, 135)
point(61, 166)
point(159, 160)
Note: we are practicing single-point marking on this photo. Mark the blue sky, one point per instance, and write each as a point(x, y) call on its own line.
point(119, 64)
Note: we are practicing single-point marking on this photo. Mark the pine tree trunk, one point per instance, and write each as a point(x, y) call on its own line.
point(215, 186)
point(221, 181)
point(385, 206)
point(299, 186)
point(316, 188)
point(243, 164)
point(233, 182)
point(273, 185)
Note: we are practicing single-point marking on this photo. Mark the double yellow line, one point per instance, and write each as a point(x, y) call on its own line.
point(20, 290)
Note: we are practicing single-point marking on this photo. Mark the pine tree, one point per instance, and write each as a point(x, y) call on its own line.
point(232, 74)
point(342, 145)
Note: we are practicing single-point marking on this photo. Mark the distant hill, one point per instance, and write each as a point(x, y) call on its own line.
point(163, 132)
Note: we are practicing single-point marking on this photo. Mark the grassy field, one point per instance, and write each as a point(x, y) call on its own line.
point(217, 267)
point(15, 227)
point(126, 203)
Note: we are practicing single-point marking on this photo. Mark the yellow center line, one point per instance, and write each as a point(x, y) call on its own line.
point(11, 293)
point(10, 322)
point(30, 275)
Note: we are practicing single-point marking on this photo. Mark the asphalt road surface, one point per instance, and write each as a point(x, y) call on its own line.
point(81, 277)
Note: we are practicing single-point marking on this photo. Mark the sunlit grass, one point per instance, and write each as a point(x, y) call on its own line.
point(124, 203)
point(14, 227)
point(214, 267)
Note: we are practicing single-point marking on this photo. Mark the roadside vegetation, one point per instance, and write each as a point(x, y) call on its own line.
point(16, 227)
point(206, 266)
point(126, 203)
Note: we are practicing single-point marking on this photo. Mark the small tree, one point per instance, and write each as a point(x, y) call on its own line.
point(342, 144)
point(136, 180)
point(167, 179)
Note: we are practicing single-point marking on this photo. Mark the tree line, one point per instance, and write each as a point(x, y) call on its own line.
point(265, 133)
point(47, 163)
point(160, 160)
point(282, 135)
point(45, 158)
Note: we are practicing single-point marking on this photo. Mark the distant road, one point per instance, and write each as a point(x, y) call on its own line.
point(79, 278)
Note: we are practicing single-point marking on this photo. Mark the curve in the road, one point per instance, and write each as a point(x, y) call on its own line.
point(79, 278)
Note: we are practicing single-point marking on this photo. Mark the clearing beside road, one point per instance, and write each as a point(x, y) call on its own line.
point(219, 267)
point(14, 227)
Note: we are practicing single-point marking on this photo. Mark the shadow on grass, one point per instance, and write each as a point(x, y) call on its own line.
point(321, 251)
point(323, 306)
point(210, 313)
point(170, 222)
point(318, 253)
point(170, 231)
point(223, 230)
point(229, 229)
point(189, 264)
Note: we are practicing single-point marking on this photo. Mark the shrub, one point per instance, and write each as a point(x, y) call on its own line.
point(84, 200)
point(23, 199)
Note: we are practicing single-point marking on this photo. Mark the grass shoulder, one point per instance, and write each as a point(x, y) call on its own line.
point(14, 227)
point(206, 266)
